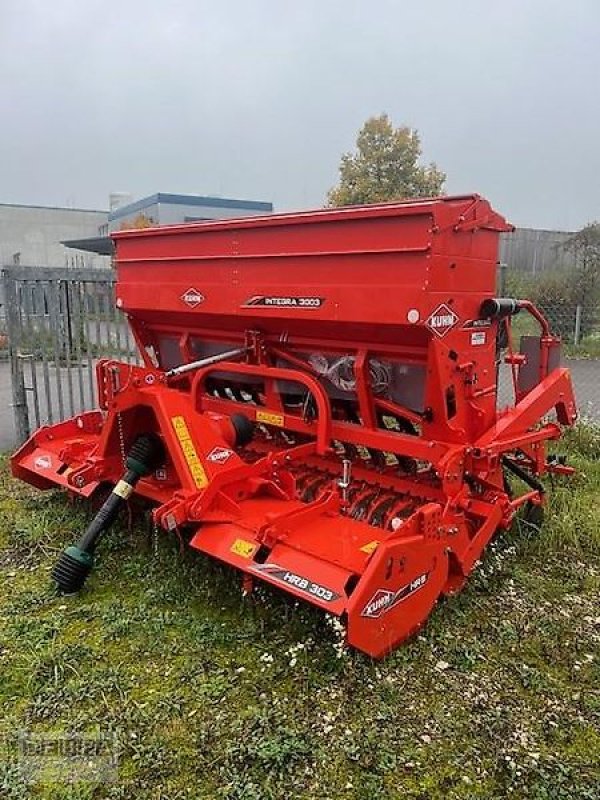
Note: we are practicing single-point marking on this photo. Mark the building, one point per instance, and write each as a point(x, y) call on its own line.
point(33, 235)
point(170, 209)
point(165, 209)
point(50, 236)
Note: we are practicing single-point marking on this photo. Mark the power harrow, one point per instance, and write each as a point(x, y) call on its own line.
point(316, 404)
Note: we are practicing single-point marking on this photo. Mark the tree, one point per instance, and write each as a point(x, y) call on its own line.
point(139, 223)
point(585, 277)
point(385, 167)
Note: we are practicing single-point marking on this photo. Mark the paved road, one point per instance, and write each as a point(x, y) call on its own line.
point(76, 396)
point(586, 378)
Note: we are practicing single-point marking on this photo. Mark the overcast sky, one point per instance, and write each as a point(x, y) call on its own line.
point(258, 99)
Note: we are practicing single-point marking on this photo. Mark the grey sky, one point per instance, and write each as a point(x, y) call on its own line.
point(258, 99)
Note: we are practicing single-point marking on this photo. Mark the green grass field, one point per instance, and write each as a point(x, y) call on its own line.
point(210, 695)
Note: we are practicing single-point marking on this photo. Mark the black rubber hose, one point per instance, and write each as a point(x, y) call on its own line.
point(530, 480)
point(76, 562)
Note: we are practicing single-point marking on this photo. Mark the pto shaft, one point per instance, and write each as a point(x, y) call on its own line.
point(76, 562)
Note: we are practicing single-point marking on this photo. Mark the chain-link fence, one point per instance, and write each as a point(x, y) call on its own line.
point(574, 315)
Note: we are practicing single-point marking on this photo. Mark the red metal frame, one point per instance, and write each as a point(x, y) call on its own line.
point(400, 284)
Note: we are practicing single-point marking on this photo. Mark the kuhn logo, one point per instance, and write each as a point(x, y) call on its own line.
point(442, 320)
point(219, 455)
point(192, 297)
point(384, 599)
point(378, 604)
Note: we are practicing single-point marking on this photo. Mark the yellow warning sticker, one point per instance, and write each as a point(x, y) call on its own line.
point(195, 467)
point(243, 548)
point(123, 489)
point(270, 419)
point(370, 547)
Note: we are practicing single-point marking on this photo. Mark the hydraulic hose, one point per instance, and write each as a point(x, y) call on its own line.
point(76, 562)
point(526, 477)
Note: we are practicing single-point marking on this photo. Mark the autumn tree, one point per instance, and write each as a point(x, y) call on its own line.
point(139, 223)
point(385, 166)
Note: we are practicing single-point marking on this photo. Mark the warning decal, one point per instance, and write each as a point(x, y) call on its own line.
point(270, 419)
point(243, 548)
point(189, 452)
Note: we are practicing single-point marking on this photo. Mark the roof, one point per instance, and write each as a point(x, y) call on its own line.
point(190, 200)
point(54, 208)
point(95, 244)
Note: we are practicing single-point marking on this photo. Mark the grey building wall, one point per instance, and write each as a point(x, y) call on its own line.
point(36, 233)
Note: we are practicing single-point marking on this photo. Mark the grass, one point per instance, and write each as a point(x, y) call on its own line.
point(588, 347)
point(210, 695)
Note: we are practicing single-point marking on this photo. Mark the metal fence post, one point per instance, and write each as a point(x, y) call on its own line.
point(577, 337)
point(13, 329)
point(502, 279)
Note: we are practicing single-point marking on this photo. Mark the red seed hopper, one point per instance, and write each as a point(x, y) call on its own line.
point(318, 406)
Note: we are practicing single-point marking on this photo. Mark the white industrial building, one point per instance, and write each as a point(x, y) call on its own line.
point(33, 235)
point(47, 236)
